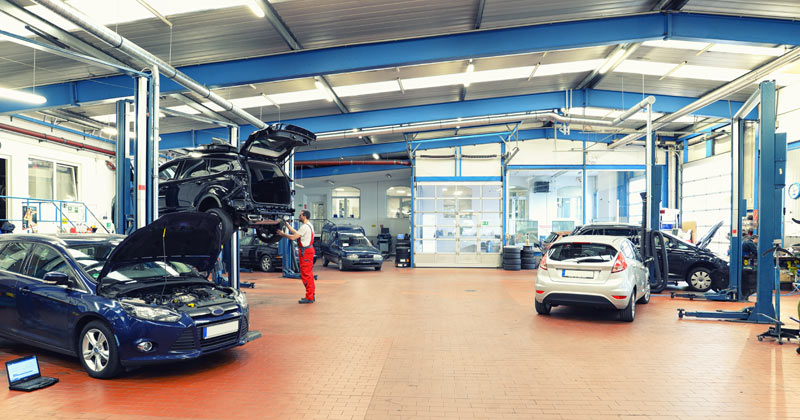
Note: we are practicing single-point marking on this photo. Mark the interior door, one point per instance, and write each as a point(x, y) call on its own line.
point(45, 308)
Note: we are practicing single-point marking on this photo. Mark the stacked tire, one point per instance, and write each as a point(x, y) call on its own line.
point(512, 258)
point(529, 260)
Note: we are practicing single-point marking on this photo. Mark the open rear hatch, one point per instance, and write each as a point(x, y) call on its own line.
point(276, 142)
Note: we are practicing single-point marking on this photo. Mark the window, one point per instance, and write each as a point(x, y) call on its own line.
point(194, 169)
point(45, 260)
point(216, 166)
point(47, 180)
point(398, 202)
point(168, 172)
point(563, 251)
point(346, 203)
point(13, 256)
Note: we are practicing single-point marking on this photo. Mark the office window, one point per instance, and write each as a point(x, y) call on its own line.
point(398, 202)
point(48, 180)
point(346, 203)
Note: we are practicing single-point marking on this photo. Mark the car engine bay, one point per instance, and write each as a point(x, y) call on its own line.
point(180, 297)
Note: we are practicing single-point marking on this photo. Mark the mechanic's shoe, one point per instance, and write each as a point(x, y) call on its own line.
point(304, 300)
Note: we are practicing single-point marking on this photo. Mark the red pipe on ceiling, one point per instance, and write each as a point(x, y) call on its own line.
point(54, 139)
point(350, 162)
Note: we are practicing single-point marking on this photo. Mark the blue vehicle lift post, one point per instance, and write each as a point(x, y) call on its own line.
point(771, 180)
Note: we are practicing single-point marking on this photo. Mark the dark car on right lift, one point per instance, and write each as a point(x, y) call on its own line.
point(695, 264)
point(348, 247)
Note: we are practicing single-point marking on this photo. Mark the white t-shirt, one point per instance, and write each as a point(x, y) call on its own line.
point(306, 234)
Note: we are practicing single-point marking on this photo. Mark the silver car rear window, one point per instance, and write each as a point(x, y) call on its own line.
point(574, 250)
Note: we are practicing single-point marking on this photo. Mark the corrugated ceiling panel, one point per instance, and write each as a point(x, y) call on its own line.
point(523, 86)
point(669, 86)
point(499, 13)
point(318, 23)
point(772, 8)
point(398, 99)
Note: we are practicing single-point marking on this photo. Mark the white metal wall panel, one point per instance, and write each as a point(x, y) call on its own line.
point(480, 166)
point(599, 154)
point(426, 166)
point(548, 152)
point(706, 197)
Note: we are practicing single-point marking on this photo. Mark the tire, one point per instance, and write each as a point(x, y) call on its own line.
point(97, 335)
point(644, 300)
point(226, 221)
point(378, 268)
point(629, 312)
point(528, 260)
point(542, 308)
point(341, 265)
point(529, 266)
point(699, 279)
point(325, 261)
point(512, 260)
point(265, 264)
point(515, 267)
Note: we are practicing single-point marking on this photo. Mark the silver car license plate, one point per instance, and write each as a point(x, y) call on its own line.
point(580, 274)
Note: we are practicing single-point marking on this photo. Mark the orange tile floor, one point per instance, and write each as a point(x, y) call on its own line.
point(442, 344)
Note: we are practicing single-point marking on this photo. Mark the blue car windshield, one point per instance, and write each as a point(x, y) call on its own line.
point(92, 258)
point(350, 239)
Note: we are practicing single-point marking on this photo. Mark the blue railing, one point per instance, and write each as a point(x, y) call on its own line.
point(60, 216)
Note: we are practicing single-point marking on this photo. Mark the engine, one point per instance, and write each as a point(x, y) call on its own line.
point(181, 297)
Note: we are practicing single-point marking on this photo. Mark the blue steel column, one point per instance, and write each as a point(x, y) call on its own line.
point(233, 245)
point(769, 206)
point(738, 206)
point(151, 158)
point(123, 179)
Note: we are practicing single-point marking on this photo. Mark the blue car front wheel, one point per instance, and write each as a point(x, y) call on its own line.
point(98, 351)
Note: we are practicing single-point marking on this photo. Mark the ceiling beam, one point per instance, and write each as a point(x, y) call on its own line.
point(283, 30)
point(459, 46)
point(617, 56)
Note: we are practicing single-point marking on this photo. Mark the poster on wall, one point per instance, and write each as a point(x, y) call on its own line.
point(30, 220)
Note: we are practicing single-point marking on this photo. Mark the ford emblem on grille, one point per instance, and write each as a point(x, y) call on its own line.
point(217, 311)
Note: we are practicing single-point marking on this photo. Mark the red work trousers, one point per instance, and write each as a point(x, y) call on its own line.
point(306, 271)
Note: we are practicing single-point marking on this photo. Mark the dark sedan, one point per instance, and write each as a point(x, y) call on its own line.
point(348, 247)
point(116, 301)
point(694, 264)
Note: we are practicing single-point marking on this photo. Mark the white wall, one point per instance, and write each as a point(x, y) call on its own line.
point(373, 205)
point(789, 123)
point(95, 181)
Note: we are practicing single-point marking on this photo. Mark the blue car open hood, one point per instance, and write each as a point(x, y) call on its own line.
point(189, 237)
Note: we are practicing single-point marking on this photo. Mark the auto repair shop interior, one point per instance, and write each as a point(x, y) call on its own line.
point(521, 209)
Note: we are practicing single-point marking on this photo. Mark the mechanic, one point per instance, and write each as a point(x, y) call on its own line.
point(305, 248)
point(749, 247)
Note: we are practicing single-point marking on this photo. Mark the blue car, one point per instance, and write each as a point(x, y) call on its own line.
point(116, 301)
point(348, 247)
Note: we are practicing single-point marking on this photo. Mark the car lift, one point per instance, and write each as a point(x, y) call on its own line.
point(771, 180)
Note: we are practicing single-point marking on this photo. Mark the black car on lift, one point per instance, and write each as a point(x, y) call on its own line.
point(246, 188)
point(692, 263)
point(348, 247)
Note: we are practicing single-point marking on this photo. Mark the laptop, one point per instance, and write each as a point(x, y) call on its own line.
point(23, 375)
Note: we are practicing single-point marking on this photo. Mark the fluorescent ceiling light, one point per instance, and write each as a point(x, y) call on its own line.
point(367, 88)
point(324, 90)
point(186, 109)
point(19, 96)
point(299, 96)
point(255, 8)
point(468, 74)
point(652, 68)
point(376, 156)
point(610, 62)
point(726, 48)
point(649, 68)
point(111, 131)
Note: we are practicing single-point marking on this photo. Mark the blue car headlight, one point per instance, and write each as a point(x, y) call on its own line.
point(241, 299)
point(377, 257)
point(151, 313)
point(352, 257)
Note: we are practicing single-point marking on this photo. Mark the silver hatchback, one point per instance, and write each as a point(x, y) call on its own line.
point(597, 271)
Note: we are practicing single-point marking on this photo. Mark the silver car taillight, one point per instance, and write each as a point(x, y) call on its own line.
point(619, 264)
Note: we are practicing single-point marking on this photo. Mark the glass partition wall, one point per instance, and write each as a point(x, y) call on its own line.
point(542, 201)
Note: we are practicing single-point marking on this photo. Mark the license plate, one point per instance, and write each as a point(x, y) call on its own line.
point(220, 329)
point(577, 274)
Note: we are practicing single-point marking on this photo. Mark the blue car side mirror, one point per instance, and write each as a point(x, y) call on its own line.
point(60, 279)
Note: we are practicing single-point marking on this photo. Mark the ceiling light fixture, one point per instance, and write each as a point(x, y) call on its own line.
point(16, 95)
point(321, 88)
point(610, 62)
point(673, 70)
point(255, 8)
point(376, 156)
point(111, 131)
point(468, 74)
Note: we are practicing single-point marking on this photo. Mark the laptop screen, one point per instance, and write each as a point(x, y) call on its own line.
point(21, 369)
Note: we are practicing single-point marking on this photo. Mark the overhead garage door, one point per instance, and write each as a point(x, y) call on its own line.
point(706, 198)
